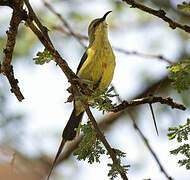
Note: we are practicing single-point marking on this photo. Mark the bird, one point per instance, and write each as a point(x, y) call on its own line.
point(96, 66)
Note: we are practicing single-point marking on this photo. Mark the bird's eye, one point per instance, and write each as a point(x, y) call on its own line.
point(94, 25)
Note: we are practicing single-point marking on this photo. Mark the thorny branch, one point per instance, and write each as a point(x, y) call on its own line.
point(150, 100)
point(104, 141)
point(159, 13)
point(71, 32)
point(6, 67)
point(135, 53)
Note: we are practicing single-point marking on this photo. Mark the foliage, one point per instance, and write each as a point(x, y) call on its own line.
point(180, 75)
point(43, 57)
point(185, 150)
point(90, 148)
point(101, 100)
point(116, 167)
point(185, 6)
point(181, 132)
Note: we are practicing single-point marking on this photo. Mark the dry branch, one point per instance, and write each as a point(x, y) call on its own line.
point(6, 67)
point(159, 13)
point(150, 100)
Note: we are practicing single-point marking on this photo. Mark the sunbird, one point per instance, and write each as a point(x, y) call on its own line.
point(96, 66)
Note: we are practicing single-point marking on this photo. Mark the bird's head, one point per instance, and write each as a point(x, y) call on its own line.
point(98, 27)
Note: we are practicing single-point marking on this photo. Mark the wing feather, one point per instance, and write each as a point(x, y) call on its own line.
point(83, 59)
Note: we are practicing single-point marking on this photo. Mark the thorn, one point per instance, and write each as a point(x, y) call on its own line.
point(154, 120)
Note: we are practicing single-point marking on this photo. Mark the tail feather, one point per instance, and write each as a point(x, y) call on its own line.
point(69, 132)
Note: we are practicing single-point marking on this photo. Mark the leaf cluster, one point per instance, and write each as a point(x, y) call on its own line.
point(101, 100)
point(180, 75)
point(43, 57)
point(116, 167)
point(91, 148)
point(185, 150)
point(181, 132)
point(185, 6)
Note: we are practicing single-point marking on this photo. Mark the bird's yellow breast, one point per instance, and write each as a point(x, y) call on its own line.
point(99, 66)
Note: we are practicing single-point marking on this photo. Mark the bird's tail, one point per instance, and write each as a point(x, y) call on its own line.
point(69, 132)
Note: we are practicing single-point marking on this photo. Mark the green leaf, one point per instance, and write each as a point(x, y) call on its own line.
point(101, 100)
point(185, 6)
point(43, 57)
point(184, 150)
point(115, 169)
point(180, 75)
point(90, 147)
point(181, 132)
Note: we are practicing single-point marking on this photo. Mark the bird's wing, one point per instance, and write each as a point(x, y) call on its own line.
point(83, 59)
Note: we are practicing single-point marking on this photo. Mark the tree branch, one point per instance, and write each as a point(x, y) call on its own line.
point(6, 67)
point(150, 100)
point(148, 146)
point(135, 53)
point(64, 22)
point(104, 141)
point(5, 3)
point(159, 13)
point(45, 40)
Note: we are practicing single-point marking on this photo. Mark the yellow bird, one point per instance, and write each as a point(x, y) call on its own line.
point(97, 66)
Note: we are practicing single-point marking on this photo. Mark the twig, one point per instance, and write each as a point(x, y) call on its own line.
point(104, 141)
point(159, 13)
point(135, 53)
point(32, 15)
point(5, 3)
point(65, 31)
point(75, 35)
point(49, 46)
point(168, 101)
point(149, 147)
point(6, 67)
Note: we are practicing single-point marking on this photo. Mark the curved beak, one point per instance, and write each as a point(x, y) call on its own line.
point(105, 15)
